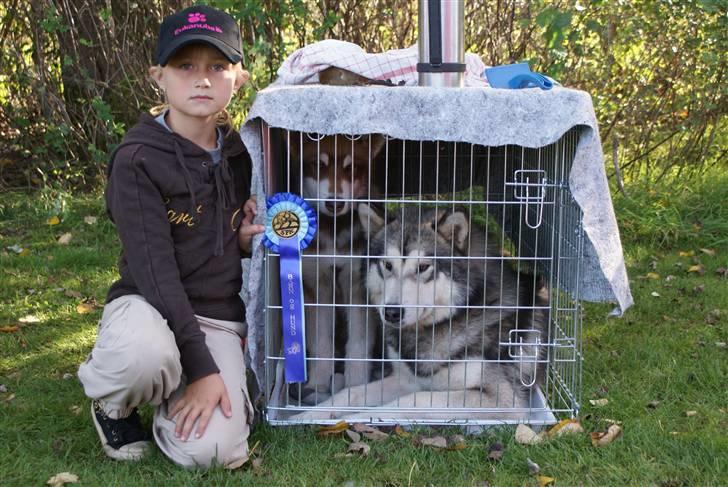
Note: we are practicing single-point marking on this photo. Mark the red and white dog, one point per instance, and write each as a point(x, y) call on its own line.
point(337, 171)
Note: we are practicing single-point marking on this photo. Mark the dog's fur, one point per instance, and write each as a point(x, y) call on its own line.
point(447, 303)
point(336, 172)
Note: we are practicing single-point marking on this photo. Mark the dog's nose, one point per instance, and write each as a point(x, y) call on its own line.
point(335, 207)
point(392, 314)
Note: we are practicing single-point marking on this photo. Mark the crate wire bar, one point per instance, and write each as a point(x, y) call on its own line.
point(519, 197)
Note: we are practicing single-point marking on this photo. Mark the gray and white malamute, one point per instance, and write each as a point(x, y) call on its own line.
point(448, 302)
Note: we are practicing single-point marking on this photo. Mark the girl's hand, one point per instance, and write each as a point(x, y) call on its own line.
point(247, 228)
point(200, 399)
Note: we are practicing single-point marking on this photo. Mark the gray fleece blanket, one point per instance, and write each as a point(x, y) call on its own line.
point(530, 118)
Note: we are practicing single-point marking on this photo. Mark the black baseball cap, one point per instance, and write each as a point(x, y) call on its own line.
point(199, 23)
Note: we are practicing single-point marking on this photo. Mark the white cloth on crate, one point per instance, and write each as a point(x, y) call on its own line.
point(304, 65)
point(479, 115)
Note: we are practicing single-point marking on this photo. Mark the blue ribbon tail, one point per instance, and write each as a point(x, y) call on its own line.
point(294, 330)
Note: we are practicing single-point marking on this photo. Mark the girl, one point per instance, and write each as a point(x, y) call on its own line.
point(172, 330)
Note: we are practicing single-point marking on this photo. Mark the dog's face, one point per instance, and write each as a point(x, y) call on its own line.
point(337, 169)
point(416, 275)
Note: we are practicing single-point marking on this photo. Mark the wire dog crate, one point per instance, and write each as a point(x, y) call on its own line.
point(442, 285)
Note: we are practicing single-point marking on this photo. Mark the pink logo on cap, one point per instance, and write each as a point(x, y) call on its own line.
point(196, 17)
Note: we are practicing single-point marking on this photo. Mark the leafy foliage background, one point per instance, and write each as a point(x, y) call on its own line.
point(73, 73)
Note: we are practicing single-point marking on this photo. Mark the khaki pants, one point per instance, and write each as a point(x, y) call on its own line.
point(135, 361)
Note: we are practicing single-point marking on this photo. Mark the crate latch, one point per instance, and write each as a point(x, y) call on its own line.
point(525, 346)
point(529, 187)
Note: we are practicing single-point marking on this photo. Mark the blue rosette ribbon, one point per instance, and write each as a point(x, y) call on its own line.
point(290, 226)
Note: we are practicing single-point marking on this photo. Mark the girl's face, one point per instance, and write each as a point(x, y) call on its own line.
point(199, 81)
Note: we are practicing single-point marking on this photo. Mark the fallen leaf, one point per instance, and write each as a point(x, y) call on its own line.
point(543, 481)
point(61, 479)
point(67, 376)
point(65, 239)
point(653, 404)
point(720, 344)
point(670, 278)
point(709, 252)
point(722, 271)
point(73, 294)
point(9, 329)
point(690, 414)
point(333, 429)
point(533, 467)
point(652, 275)
point(9, 398)
point(712, 317)
point(526, 436)
point(495, 451)
point(399, 431)
point(353, 436)
point(698, 268)
point(84, 308)
point(655, 294)
point(90, 220)
point(75, 410)
point(54, 220)
point(3, 388)
point(456, 442)
point(599, 402)
point(699, 289)
point(689, 253)
point(29, 319)
point(565, 427)
point(375, 435)
point(363, 428)
point(435, 441)
point(602, 438)
point(257, 464)
point(358, 447)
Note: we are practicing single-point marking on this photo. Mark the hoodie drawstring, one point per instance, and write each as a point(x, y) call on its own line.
point(188, 178)
point(225, 197)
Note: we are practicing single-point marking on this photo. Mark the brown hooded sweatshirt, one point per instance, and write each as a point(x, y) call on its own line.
point(177, 216)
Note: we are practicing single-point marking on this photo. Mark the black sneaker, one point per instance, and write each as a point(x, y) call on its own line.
point(124, 438)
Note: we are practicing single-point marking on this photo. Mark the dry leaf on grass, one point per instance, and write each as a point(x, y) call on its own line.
point(353, 436)
point(76, 410)
point(28, 319)
point(3, 388)
point(9, 329)
point(456, 442)
point(334, 429)
point(435, 441)
point(65, 239)
point(543, 481)
point(655, 294)
point(653, 404)
point(9, 398)
point(709, 252)
point(73, 294)
point(690, 414)
point(697, 268)
point(526, 436)
point(375, 435)
point(90, 220)
point(54, 220)
point(62, 478)
point(652, 275)
point(712, 317)
point(358, 447)
point(722, 271)
point(599, 402)
point(602, 438)
point(688, 253)
point(67, 376)
point(84, 308)
point(565, 427)
point(399, 431)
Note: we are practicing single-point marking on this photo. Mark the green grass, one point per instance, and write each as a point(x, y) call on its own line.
point(663, 350)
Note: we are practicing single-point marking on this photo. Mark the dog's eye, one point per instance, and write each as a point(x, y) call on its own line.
point(387, 265)
point(422, 268)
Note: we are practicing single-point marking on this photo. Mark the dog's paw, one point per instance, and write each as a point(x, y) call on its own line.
point(308, 395)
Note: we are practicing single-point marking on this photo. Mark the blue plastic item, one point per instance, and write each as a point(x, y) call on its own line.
point(516, 76)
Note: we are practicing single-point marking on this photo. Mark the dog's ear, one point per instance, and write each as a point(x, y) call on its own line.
point(378, 142)
point(454, 226)
point(370, 219)
point(363, 145)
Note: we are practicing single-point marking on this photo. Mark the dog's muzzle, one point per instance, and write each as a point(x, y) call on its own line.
point(337, 208)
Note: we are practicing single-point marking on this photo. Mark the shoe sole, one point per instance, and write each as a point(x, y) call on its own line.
point(131, 452)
